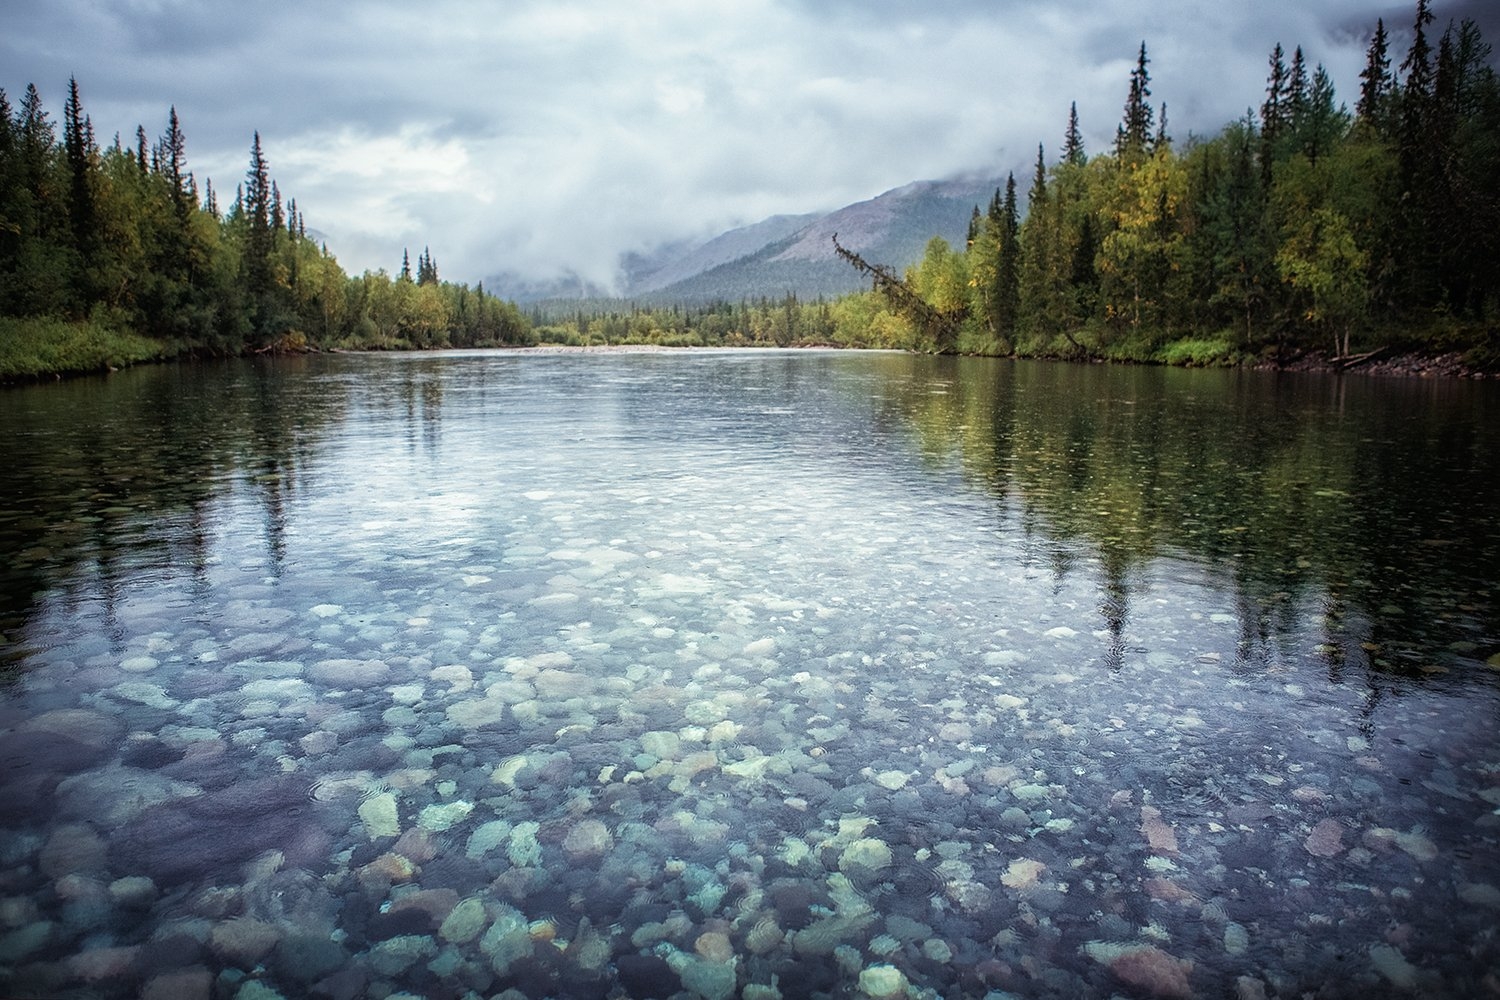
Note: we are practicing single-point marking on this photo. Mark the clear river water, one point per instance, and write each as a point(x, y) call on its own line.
point(747, 674)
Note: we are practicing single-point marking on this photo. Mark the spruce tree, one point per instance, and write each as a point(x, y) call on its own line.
point(1038, 180)
point(1133, 135)
point(258, 242)
point(174, 156)
point(1273, 115)
point(405, 265)
point(1007, 297)
point(1297, 87)
point(1418, 62)
point(1323, 122)
point(1073, 151)
point(426, 268)
point(1420, 164)
point(1375, 79)
point(83, 214)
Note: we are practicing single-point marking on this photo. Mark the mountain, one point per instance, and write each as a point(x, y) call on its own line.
point(891, 229)
point(736, 244)
point(785, 254)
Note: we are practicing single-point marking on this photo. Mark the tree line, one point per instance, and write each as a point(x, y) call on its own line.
point(1302, 225)
point(122, 238)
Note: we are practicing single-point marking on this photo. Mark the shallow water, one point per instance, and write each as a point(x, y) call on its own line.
point(747, 674)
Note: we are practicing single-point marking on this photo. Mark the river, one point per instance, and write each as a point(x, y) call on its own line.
point(747, 673)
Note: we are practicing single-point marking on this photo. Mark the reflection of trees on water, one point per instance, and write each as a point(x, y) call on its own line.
point(109, 476)
point(1345, 505)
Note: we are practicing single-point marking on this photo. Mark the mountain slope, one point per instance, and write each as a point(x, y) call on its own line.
point(784, 254)
point(722, 249)
point(892, 229)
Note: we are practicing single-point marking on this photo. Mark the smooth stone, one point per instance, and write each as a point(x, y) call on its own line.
point(1032, 793)
point(73, 847)
point(380, 817)
point(882, 982)
point(133, 891)
point(588, 839)
point(117, 795)
point(144, 693)
point(486, 838)
point(193, 983)
point(663, 745)
point(243, 941)
point(476, 712)
point(21, 942)
point(345, 673)
point(869, 853)
point(395, 955)
point(508, 939)
point(708, 979)
point(444, 816)
point(465, 922)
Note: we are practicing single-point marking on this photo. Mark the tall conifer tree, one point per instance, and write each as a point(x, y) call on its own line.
point(1133, 136)
point(1375, 78)
point(1073, 151)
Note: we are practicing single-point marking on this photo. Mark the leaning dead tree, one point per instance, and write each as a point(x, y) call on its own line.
point(941, 326)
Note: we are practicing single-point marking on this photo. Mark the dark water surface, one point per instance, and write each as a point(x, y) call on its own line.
point(747, 674)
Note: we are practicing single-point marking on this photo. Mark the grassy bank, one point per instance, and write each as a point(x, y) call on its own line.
point(33, 349)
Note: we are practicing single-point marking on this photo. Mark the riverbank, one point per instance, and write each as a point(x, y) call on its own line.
point(34, 350)
point(37, 350)
point(1449, 364)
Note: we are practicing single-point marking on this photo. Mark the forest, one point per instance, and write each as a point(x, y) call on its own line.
point(1303, 227)
point(115, 255)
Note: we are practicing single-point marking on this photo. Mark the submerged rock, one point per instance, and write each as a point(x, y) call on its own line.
point(1145, 967)
point(882, 982)
point(1159, 833)
point(378, 813)
point(1326, 839)
point(588, 839)
point(647, 976)
point(465, 922)
point(868, 853)
point(343, 673)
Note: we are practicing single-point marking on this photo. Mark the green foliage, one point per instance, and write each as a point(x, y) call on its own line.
point(1297, 228)
point(35, 348)
point(122, 234)
point(1201, 352)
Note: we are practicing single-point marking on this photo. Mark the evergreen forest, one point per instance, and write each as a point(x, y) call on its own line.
point(1304, 227)
point(114, 255)
point(1301, 226)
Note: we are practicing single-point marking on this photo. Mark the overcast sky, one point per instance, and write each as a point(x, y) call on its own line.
point(538, 137)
